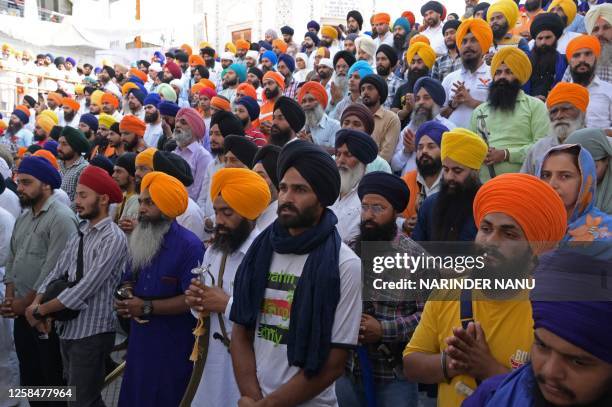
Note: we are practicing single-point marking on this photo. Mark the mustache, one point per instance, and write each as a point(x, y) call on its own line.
point(560, 387)
point(288, 206)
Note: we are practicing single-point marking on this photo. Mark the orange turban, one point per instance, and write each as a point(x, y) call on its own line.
point(111, 100)
point(96, 97)
point(419, 38)
point(330, 32)
point(167, 193)
point(242, 44)
point(276, 77)
point(145, 158)
point(220, 103)
point(565, 92)
point(531, 202)
point(196, 88)
point(132, 124)
point(71, 103)
point(139, 74)
point(583, 41)
point(56, 97)
point(21, 151)
point(25, 109)
point(47, 155)
point(187, 49)
point(480, 29)
point(245, 191)
point(208, 83)
point(280, 44)
point(247, 89)
point(195, 60)
point(425, 51)
point(381, 18)
point(315, 89)
point(409, 15)
point(126, 87)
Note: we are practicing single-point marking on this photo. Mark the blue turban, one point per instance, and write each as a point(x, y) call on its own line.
point(50, 56)
point(138, 94)
point(71, 60)
point(265, 44)
point(362, 68)
point(21, 116)
point(250, 104)
point(51, 146)
point(433, 87)
point(389, 186)
point(434, 129)
point(313, 37)
point(167, 108)
point(402, 22)
point(360, 144)
point(271, 56)
point(160, 56)
point(90, 120)
point(288, 60)
point(41, 169)
point(152, 99)
point(313, 24)
point(240, 70)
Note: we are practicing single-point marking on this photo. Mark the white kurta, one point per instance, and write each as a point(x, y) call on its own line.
point(192, 219)
point(348, 211)
point(267, 216)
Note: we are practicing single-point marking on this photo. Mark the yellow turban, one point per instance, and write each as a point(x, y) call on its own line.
point(517, 61)
point(167, 193)
point(203, 44)
point(568, 6)
point(425, 51)
point(480, 29)
point(464, 147)
point(45, 122)
point(329, 31)
point(106, 120)
point(508, 8)
point(231, 47)
point(50, 114)
point(146, 157)
point(245, 191)
point(96, 97)
point(127, 87)
point(79, 89)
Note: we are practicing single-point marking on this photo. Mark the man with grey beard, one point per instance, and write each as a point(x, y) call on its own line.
point(161, 256)
point(319, 128)
point(567, 103)
point(343, 61)
point(354, 151)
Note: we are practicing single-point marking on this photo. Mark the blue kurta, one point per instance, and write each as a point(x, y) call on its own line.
point(158, 367)
point(423, 230)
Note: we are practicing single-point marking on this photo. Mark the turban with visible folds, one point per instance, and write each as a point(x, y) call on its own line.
point(362, 68)
point(276, 77)
point(433, 87)
point(329, 31)
point(167, 193)
point(132, 124)
point(268, 157)
point(280, 44)
point(389, 53)
point(583, 41)
point(432, 5)
point(247, 89)
point(173, 165)
point(360, 144)
point(389, 186)
point(508, 8)
point(76, 139)
point(603, 10)
point(45, 122)
point(244, 191)
point(315, 89)
point(547, 22)
point(195, 121)
point(362, 113)
point(110, 99)
point(464, 147)
point(568, 6)
point(41, 169)
point(425, 51)
point(567, 92)
point(432, 129)
point(101, 183)
point(292, 111)
point(71, 103)
point(517, 61)
point(480, 29)
point(243, 148)
point(381, 18)
point(145, 158)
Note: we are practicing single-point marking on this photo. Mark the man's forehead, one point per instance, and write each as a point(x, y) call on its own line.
point(502, 220)
point(293, 177)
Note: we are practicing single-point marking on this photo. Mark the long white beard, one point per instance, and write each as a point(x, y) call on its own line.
point(145, 241)
point(341, 82)
point(314, 116)
point(183, 137)
point(349, 178)
point(563, 131)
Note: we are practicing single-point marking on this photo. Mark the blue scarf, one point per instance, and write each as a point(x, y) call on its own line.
point(316, 296)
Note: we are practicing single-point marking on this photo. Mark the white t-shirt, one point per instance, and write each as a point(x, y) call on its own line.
point(153, 132)
point(348, 212)
point(478, 85)
point(436, 39)
point(270, 345)
point(268, 216)
point(192, 219)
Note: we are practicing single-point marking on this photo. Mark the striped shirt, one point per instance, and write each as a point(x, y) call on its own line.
point(104, 258)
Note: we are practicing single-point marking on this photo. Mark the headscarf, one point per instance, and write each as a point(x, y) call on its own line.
point(568, 92)
point(363, 113)
point(167, 193)
point(152, 99)
point(220, 103)
point(313, 24)
point(508, 8)
point(292, 111)
point(568, 6)
point(195, 121)
point(389, 186)
point(360, 144)
point(464, 147)
point(425, 51)
point(268, 157)
point(244, 191)
point(110, 99)
point(516, 59)
point(583, 41)
point(316, 90)
point(127, 161)
point(603, 10)
point(480, 29)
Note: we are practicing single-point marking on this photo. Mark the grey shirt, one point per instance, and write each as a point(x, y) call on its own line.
point(36, 244)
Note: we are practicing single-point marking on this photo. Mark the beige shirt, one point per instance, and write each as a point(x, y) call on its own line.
point(386, 132)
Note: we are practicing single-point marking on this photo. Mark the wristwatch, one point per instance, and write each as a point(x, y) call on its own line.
point(147, 308)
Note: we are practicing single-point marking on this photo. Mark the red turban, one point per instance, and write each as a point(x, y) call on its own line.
point(101, 183)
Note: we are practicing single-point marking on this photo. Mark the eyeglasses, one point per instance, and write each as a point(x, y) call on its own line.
point(376, 209)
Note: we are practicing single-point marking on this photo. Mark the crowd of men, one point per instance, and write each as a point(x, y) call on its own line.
point(216, 206)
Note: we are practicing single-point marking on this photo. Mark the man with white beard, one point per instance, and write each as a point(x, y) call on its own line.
point(354, 151)
point(343, 61)
point(162, 255)
point(598, 22)
point(429, 96)
point(567, 104)
point(319, 128)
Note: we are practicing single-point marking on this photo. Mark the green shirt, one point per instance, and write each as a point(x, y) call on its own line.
point(516, 131)
point(36, 244)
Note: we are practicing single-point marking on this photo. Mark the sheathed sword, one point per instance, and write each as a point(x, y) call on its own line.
point(483, 131)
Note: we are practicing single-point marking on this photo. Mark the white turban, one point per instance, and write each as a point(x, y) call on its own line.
point(603, 10)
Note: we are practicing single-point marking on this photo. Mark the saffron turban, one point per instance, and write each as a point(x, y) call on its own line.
point(194, 120)
point(106, 120)
point(389, 186)
point(220, 103)
point(516, 60)
point(42, 170)
point(419, 38)
point(48, 155)
point(464, 147)
point(138, 74)
point(315, 89)
point(167, 193)
point(480, 29)
point(531, 202)
point(145, 158)
point(425, 51)
point(566, 92)
point(568, 6)
point(71, 103)
point(508, 8)
point(195, 89)
point(247, 89)
point(56, 97)
point(242, 44)
point(280, 44)
point(101, 183)
point(603, 10)
point(132, 124)
point(45, 123)
point(381, 18)
point(208, 83)
point(110, 99)
point(329, 31)
point(245, 191)
point(128, 86)
point(583, 41)
point(195, 60)
point(276, 77)
point(360, 144)
point(187, 49)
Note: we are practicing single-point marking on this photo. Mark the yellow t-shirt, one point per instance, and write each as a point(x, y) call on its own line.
point(508, 327)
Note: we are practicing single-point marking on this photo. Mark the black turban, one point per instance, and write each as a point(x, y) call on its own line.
point(379, 83)
point(257, 72)
point(292, 111)
point(348, 57)
point(55, 133)
point(268, 157)
point(243, 148)
point(360, 144)
point(432, 5)
point(313, 37)
point(357, 16)
point(484, 6)
point(102, 162)
point(454, 24)
point(181, 56)
point(287, 30)
point(2, 185)
point(389, 53)
point(228, 123)
point(547, 22)
point(109, 70)
point(389, 186)
point(173, 165)
point(315, 166)
point(208, 51)
point(127, 161)
point(33, 148)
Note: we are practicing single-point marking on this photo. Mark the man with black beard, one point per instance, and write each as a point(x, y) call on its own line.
point(450, 61)
point(598, 22)
point(548, 64)
point(502, 16)
point(354, 22)
point(386, 61)
point(510, 120)
point(70, 109)
point(447, 215)
point(401, 31)
point(273, 86)
point(154, 129)
point(17, 135)
point(287, 120)
point(240, 196)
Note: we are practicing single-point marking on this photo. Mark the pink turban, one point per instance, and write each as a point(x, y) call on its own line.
point(196, 123)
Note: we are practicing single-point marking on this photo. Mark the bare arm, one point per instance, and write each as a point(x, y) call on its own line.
point(423, 368)
point(243, 360)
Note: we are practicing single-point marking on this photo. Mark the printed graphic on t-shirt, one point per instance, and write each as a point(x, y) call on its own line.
point(276, 312)
point(519, 358)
